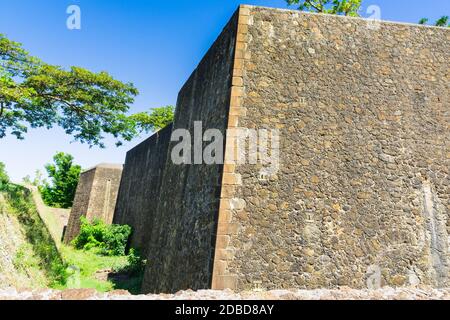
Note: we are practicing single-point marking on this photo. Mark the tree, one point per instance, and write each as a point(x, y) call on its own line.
point(155, 120)
point(339, 7)
point(64, 176)
point(85, 104)
point(4, 179)
point(36, 181)
point(27, 180)
point(441, 22)
point(38, 178)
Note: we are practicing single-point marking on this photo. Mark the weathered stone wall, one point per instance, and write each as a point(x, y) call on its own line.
point(183, 237)
point(140, 187)
point(361, 197)
point(363, 186)
point(105, 189)
point(80, 204)
point(95, 197)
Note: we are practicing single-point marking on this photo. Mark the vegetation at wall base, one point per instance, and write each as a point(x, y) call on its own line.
point(88, 270)
point(97, 236)
point(99, 243)
point(64, 267)
point(46, 254)
point(130, 276)
point(135, 264)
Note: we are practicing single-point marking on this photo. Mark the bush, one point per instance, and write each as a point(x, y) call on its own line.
point(107, 240)
point(135, 265)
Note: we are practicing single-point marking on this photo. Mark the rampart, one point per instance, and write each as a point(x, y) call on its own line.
point(361, 194)
point(95, 197)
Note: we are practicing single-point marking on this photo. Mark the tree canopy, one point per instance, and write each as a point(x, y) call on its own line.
point(64, 176)
point(339, 7)
point(155, 120)
point(442, 22)
point(85, 104)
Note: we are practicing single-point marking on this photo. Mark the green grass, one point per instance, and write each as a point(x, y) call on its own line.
point(47, 214)
point(88, 263)
point(45, 251)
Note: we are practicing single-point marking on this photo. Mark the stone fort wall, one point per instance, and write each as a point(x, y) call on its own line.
point(140, 188)
point(361, 197)
point(362, 194)
point(95, 197)
point(172, 208)
point(183, 239)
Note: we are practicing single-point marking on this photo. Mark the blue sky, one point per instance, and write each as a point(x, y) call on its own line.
point(154, 44)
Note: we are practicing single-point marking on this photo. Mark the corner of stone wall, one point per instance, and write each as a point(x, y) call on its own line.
point(74, 223)
point(229, 204)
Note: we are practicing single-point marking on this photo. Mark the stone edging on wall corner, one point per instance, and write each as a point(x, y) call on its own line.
point(222, 278)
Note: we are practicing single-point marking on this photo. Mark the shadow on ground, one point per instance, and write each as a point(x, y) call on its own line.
point(123, 281)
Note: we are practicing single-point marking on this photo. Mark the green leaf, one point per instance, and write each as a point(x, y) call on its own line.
point(339, 7)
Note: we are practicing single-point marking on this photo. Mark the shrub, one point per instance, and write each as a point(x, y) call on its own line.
point(135, 265)
point(108, 240)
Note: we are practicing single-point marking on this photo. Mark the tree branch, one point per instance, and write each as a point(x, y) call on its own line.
point(75, 108)
point(68, 104)
point(318, 9)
